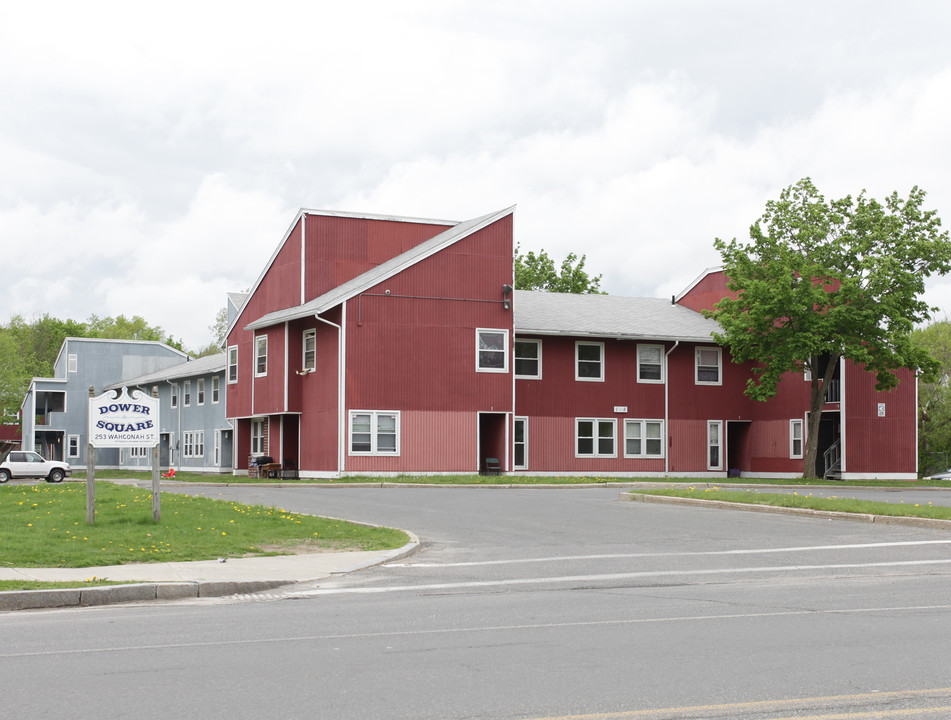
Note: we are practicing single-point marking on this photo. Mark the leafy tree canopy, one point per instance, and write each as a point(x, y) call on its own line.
point(537, 272)
point(830, 279)
point(28, 349)
point(934, 399)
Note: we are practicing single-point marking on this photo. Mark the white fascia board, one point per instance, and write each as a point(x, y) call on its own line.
point(613, 336)
point(709, 271)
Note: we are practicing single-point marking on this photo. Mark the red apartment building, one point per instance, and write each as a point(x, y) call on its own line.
point(388, 345)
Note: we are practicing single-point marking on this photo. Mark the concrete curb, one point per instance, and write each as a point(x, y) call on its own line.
point(755, 507)
point(146, 591)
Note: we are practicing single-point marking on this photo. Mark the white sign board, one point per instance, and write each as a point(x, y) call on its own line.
point(123, 419)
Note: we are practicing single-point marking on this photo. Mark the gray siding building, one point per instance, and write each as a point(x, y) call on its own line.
point(194, 433)
point(55, 410)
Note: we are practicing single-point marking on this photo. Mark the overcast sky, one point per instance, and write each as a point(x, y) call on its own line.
point(153, 155)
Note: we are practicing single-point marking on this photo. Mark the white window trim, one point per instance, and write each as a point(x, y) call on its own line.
point(138, 452)
point(696, 366)
point(663, 373)
point(200, 391)
point(643, 424)
point(215, 390)
point(260, 342)
point(523, 466)
point(71, 451)
point(505, 350)
point(719, 425)
point(538, 344)
point(186, 393)
point(72, 363)
point(595, 453)
point(792, 439)
point(232, 349)
point(173, 396)
point(600, 378)
point(374, 432)
point(312, 336)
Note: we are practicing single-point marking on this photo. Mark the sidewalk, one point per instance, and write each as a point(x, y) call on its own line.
point(203, 578)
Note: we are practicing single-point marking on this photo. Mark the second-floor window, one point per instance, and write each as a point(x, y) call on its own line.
point(260, 356)
point(233, 364)
point(309, 361)
point(589, 361)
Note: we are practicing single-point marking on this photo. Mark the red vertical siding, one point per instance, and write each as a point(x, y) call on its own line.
point(880, 445)
point(710, 290)
point(341, 248)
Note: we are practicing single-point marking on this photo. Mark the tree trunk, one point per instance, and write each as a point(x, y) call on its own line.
point(816, 404)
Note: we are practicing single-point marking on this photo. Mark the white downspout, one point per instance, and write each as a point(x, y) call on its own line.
point(341, 385)
point(667, 408)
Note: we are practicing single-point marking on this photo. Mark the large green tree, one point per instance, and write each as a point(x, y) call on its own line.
point(934, 399)
point(537, 272)
point(821, 280)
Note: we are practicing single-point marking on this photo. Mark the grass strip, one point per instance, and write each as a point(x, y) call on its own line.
point(808, 501)
point(8, 585)
point(506, 480)
point(44, 525)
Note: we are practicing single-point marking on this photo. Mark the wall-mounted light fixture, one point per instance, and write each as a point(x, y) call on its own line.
point(507, 296)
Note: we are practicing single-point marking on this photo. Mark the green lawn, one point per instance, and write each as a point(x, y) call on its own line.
point(808, 501)
point(44, 525)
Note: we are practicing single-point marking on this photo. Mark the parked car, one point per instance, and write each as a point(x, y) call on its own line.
point(28, 464)
point(946, 475)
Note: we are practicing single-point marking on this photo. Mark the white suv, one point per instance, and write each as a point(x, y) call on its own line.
point(28, 464)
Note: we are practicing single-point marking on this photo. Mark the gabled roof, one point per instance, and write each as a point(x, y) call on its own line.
point(325, 213)
point(207, 365)
point(608, 316)
point(381, 272)
point(696, 281)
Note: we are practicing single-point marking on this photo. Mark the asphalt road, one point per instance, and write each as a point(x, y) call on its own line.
point(528, 604)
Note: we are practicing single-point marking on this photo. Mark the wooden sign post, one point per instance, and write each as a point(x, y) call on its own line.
point(122, 420)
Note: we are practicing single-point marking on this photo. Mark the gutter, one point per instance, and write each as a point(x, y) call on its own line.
point(667, 408)
point(341, 383)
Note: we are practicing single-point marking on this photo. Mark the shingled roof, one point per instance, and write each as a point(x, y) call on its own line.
point(611, 316)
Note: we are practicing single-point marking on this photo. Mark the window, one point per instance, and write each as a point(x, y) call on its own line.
point(374, 432)
point(708, 366)
point(594, 437)
point(795, 439)
point(650, 363)
point(187, 394)
point(201, 391)
point(492, 350)
point(715, 445)
point(528, 359)
point(72, 363)
point(521, 443)
point(643, 438)
point(215, 389)
point(310, 351)
point(259, 436)
point(194, 443)
point(173, 401)
point(233, 364)
point(589, 361)
point(73, 446)
point(260, 356)
point(138, 452)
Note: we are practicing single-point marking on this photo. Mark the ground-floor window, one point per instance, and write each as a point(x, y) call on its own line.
point(521, 443)
point(795, 439)
point(259, 436)
point(594, 437)
point(72, 448)
point(643, 438)
point(194, 443)
point(715, 445)
point(374, 432)
point(138, 452)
